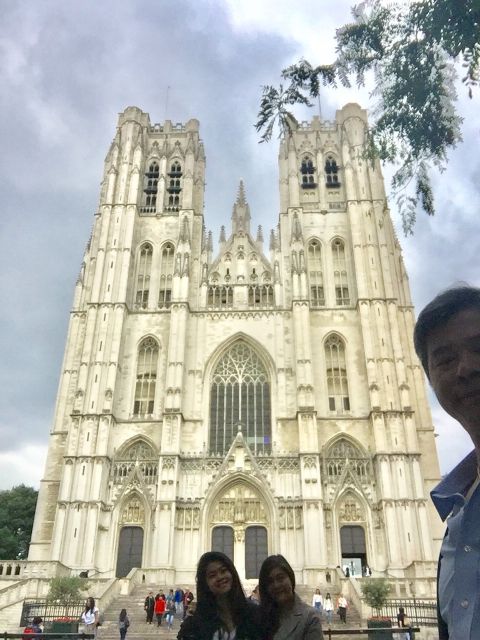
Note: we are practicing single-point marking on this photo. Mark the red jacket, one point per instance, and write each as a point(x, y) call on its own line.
point(160, 606)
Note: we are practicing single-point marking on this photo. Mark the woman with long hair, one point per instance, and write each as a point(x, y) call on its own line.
point(222, 612)
point(283, 613)
point(123, 623)
point(90, 617)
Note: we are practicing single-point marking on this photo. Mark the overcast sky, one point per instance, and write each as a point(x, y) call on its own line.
point(68, 69)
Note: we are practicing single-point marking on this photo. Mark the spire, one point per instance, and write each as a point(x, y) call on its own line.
point(241, 212)
point(222, 234)
point(260, 234)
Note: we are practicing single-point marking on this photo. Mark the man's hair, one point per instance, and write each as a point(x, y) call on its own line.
point(437, 312)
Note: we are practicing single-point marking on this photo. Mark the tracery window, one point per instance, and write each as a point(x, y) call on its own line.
point(220, 296)
point(342, 296)
point(240, 395)
point(143, 275)
point(166, 276)
point(146, 381)
point(336, 369)
point(342, 454)
point(307, 171)
point(315, 274)
point(260, 295)
point(331, 172)
point(174, 186)
point(139, 454)
point(151, 185)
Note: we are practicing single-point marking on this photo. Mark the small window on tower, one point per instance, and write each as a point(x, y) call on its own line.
point(151, 187)
point(307, 171)
point(331, 172)
point(174, 186)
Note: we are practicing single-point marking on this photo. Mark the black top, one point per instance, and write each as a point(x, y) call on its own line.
point(198, 627)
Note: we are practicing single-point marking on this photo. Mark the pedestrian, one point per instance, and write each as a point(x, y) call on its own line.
point(447, 341)
point(149, 607)
point(255, 595)
point(282, 613)
point(328, 608)
point(170, 612)
point(187, 601)
point(222, 611)
point(33, 630)
point(317, 601)
point(404, 622)
point(342, 606)
point(90, 617)
point(123, 623)
point(159, 608)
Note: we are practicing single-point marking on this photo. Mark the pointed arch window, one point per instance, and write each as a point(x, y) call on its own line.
point(146, 380)
point(151, 185)
point(141, 455)
point(307, 172)
point(336, 370)
point(240, 395)
point(331, 172)
point(143, 275)
point(315, 274)
point(166, 276)
point(345, 454)
point(174, 186)
point(342, 296)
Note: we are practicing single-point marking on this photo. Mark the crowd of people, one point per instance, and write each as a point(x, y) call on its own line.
point(166, 606)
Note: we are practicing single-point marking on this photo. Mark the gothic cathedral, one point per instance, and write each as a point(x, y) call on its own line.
point(258, 400)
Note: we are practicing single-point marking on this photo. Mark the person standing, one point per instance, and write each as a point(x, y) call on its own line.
point(282, 613)
point(222, 611)
point(447, 341)
point(159, 608)
point(317, 601)
point(187, 601)
point(342, 606)
point(123, 623)
point(328, 608)
point(170, 612)
point(149, 607)
point(89, 617)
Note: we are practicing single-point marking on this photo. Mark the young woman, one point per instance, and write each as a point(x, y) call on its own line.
point(170, 611)
point(90, 617)
point(123, 623)
point(317, 601)
point(282, 612)
point(328, 608)
point(222, 612)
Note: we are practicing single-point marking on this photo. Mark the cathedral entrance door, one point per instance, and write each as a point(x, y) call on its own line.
point(222, 540)
point(130, 549)
point(354, 552)
point(256, 550)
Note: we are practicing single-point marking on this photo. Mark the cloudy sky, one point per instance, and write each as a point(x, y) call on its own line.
point(68, 69)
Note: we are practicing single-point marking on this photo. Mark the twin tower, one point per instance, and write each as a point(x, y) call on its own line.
point(263, 398)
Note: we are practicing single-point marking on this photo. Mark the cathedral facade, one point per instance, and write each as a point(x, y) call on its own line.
point(263, 399)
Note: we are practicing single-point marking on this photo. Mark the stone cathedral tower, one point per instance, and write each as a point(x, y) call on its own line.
point(263, 400)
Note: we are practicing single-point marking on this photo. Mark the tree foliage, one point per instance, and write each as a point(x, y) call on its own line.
point(66, 589)
point(17, 510)
point(375, 592)
point(412, 48)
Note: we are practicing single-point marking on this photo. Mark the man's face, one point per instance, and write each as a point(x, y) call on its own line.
point(454, 364)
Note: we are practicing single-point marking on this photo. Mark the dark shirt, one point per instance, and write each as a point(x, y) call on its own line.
point(202, 627)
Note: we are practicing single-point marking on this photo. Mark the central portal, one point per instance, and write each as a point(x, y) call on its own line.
point(239, 529)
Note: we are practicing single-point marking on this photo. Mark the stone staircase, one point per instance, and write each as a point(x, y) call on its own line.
point(133, 603)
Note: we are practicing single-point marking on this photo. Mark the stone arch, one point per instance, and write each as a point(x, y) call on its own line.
point(242, 504)
point(133, 517)
point(136, 453)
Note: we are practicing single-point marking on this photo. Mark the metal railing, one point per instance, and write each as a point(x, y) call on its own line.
point(50, 612)
point(420, 611)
